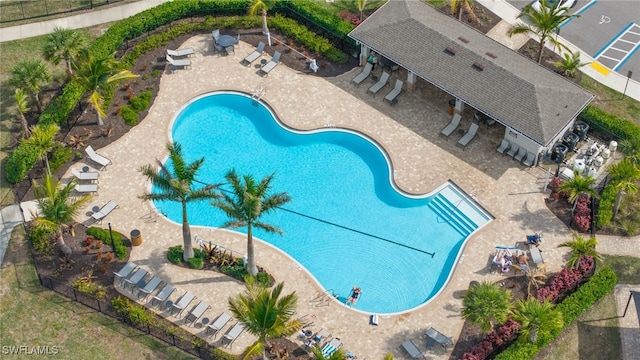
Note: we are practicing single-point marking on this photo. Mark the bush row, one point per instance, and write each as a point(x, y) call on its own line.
point(103, 235)
point(600, 284)
point(620, 127)
point(137, 314)
point(607, 202)
point(566, 281)
point(308, 38)
point(505, 333)
point(321, 16)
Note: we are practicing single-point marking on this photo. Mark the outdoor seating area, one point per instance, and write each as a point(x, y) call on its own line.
point(101, 160)
point(178, 63)
point(436, 337)
point(104, 211)
point(266, 69)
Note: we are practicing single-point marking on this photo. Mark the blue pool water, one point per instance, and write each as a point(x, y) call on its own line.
point(346, 224)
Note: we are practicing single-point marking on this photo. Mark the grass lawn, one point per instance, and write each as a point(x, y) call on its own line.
point(33, 316)
point(595, 334)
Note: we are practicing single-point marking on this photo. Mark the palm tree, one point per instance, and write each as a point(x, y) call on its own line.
point(64, 44)
point(543, 23)
point(570, 64)
point(57, 206)
point(339, 354)
point(43, 139)
point(631, 148)
point(361, 4)
point(249, 201)
point(463, 5)
point(97, 76)
point(537, 320)
point(580, 247)
point(535, 277)
point(265, 314)
point(626, 175)
point(23, 107)
point(577, 186)
point(176, 185)
point(261, 6)
point(486, 304)
point(30, 75)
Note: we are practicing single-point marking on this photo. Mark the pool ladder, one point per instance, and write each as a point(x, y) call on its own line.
point(258, 92)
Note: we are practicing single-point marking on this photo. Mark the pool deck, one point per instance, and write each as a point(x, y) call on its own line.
point(422, 161)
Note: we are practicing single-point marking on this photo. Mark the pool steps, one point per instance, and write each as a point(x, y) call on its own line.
point(451, 214)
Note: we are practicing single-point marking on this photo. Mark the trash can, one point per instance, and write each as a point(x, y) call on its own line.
point(452, 106)
point(136, 238)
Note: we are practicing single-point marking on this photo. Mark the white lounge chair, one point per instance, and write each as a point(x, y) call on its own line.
point(126, 270)
point(183, 63)
point(266, 69)
point(149, 287)
point(466, 139)
point(233, 334)
point(412, 349)
point(521, 154)
point(105, 210)
point(384, 80)
point(453, 125)
point(135, 278)
point(97, 157)
point(363, 74)
point(254, 55)
point(219, 323)
point(197, 312)
point(93, 175)
point(529, 160)
point(513, 151)
point(504, 146)
point(163, 295)
point(85, 188)
point(181, 52)
point(393, 94)
point(184, 301)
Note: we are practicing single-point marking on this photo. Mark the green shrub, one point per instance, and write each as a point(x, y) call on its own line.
point(129, 115)
point(175, 254)
point(622, 128)
point(155, 73)
point(307, 38)
point(118, 242)
point(606, 204)
point(20, 162)
point(196, 263)
point(86, 286)
point(41, 239)
point(237, 271)
point(140, 102)
point(323, 17)
point(61, 155)
point(137, 314)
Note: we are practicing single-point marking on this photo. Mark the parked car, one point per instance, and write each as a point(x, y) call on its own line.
point(552, 4)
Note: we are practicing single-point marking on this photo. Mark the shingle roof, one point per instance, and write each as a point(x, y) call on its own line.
point(514, 90)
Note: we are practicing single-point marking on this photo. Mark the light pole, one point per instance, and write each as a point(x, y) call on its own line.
point(111, 236)
point(627, 84)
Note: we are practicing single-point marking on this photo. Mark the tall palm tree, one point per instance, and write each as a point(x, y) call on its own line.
point(261, 6)
point(339, 354)
point(626, 174)
point(537, 320)
point(30, 75)
point(486, 304)
point(463, 5)
point(544, 24)
point(570, 64)
point(22, 107)
point(247, 203)
point(64, 44)
point(43, 139)
point(580, 247)
point(176, 184)
point(265, 314)
point(577, 186)
point(97, 76)
point(57, 206)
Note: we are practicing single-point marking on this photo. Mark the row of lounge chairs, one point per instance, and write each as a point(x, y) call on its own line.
point(130, 275)
point(433, 337)
point(518, 153)
point(391, 96)
point(90, 176)
point(454, 124)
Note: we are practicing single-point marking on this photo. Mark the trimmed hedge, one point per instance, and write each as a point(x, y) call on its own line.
point(600, 284)
point(321, 16)
point(605, 208)
point(307, 38)
point(618, 126)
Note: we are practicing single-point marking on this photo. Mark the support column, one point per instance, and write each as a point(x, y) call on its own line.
point(459, 106)
point(364, 53)
point(411, 81)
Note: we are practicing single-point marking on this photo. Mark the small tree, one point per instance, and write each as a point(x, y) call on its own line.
point(570, 64)
point(485, 305)
point(261, 7)
point(43, 139)
point(64, 44)
point(580, 247)
point(538, 320)
point(30, 75)
point(22, 108)
point(625, 174)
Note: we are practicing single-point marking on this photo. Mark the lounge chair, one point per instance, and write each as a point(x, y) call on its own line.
point(513, 151)
point(521, 153)
point(412, 349)
point(321, 336)
point(93, 175)
point(466, 139)
point(105, 210)
point(181, 52)
point(453, 125)
point(384, 80)
point(84, 188)
point(529, 160)
point(504, 146)
point(97, 157)
point(393, 94)
point(183, 63)
point(437, 337)
point(254, 55)
point(197, 312)
point(233, 334)
point(184, 301)
point(363, 74)
point(219, 323)
point(331, 347)
point(126, 270)
point(536, 256)
point(149, 287)
point(163, 295)
point(266, 69)
point(135, 278)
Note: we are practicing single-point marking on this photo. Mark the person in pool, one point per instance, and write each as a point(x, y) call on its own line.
point(355, 293)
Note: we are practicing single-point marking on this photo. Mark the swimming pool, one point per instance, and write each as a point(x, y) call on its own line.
point(346, 224)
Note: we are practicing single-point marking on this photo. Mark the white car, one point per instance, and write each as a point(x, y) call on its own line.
point(552, 4)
